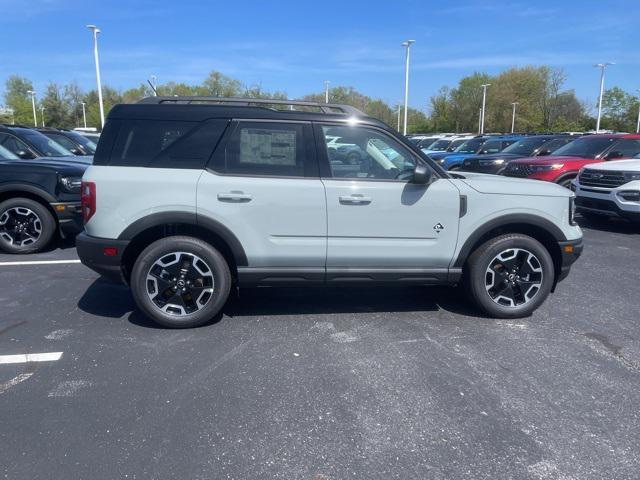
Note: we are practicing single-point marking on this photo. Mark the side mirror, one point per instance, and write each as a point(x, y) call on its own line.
point(421, 175)
point(544, 153)
point(76, 151)
point(25, 154)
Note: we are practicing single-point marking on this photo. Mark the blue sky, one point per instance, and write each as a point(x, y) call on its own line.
point(294, 45)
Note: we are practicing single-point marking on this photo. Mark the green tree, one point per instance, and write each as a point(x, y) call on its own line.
point(219, 85)
point(17, 98)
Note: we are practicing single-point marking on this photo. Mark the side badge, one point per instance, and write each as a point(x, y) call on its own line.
point(438, 227)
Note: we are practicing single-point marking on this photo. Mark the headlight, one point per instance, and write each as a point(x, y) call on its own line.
point(71, 184)
point(631, 176)
point(500, 161)
point(545, 168)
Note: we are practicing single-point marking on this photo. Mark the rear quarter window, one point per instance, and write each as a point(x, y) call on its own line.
point(159, 143)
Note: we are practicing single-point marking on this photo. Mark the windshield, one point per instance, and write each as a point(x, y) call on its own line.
point(426, 142)
point(587, 147)
point(88, 145)
point(46, 146)
point(526, 146)
point(440, 145)
point(6, 154)
point(471, 146)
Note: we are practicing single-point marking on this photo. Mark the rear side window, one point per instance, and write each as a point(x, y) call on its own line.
point(266, 149)
point(165, 144)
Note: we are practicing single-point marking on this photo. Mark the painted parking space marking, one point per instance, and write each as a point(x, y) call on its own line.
point(30, 357)
point(14, 381)
point(39, 262)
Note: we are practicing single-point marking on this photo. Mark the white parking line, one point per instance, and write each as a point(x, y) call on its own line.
point(30, 357)
point(14, 381)
point(38, 262)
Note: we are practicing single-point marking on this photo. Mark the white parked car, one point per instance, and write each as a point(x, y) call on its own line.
point(610, 189)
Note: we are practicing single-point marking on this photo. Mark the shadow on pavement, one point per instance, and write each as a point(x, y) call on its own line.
point(106, 299)
point(609, 224)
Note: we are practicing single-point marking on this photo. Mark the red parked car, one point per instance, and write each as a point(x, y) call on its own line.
point(563, 165)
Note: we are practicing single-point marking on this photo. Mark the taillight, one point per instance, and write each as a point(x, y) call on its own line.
point(88, 200)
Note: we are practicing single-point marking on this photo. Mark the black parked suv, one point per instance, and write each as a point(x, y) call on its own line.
point(39, 199)
point(27, 143)
point(72, 141)
point(534, 146)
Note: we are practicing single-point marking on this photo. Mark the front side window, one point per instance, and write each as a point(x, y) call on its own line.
point(440, 145)
point(6, 154)
point(555, 144)
point(269, 148)
point(12, 144)
point(62, 140)
point(368, 154)
point(492, 146)
point(626, 148)
point(471, 146)
point(526, 146)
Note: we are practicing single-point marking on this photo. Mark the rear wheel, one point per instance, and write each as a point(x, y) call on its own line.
point(26, 226)
point(510, 276)
point(180, 282)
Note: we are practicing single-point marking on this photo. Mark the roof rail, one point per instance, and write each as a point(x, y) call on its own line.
point(249, 102)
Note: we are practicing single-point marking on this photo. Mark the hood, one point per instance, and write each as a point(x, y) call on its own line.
point(441, 155)
point(70, 168)
point(550, 160)
point(632, 165)
point(496, 184)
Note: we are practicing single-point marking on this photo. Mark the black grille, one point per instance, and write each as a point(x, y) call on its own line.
point(517, 170)
point(601, 178)
point(596, 204)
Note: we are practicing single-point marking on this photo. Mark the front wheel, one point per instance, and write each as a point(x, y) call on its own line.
point(26, 226)
point(566, 182)
point(510, 276)
point(180, 282)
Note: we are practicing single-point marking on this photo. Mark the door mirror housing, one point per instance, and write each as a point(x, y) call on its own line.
point(613, 155)
point(544, 153)
point(25, 154)
point(421, 174)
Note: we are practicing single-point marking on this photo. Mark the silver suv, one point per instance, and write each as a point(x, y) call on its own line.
point(191, 196)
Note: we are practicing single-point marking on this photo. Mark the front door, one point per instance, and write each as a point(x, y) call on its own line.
point(377, 219)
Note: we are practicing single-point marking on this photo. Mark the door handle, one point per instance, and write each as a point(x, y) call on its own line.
point(355, 199)
point(234, 196)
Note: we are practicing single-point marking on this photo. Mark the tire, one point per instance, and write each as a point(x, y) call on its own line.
point(26, 226)
point(455, 168)
point(156, 282)
point(530, 285)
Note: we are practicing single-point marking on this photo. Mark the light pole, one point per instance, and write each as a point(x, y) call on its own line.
point(96, 31)
point(33, 104)
point(398, 116)
point(602, 67)
point(84, 114)
point(326, 91)
point(638, 124)
point(42, 109)
point(406, 44)
point(513, 117)
point(484, 102)
point(479, 120)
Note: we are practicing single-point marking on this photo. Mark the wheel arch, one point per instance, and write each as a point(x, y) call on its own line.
point(534, 226)
point(32, 192)
point(147, 230)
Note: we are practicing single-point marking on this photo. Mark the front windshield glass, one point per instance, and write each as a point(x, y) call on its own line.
point(526, 146)
point(46, 146)
point(587, 147)
point(440, 145)
point(471, 146)
point(6, 154)
point(88, 145)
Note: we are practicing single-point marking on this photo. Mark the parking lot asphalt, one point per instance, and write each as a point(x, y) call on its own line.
point(324, 384)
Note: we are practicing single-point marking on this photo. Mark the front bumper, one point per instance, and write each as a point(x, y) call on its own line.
point(69, 217)
point(570, 252)
point(92, 253)
point(609, 202)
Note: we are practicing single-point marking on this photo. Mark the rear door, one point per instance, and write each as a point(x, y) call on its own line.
point(378, 221)
point(263, 185)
